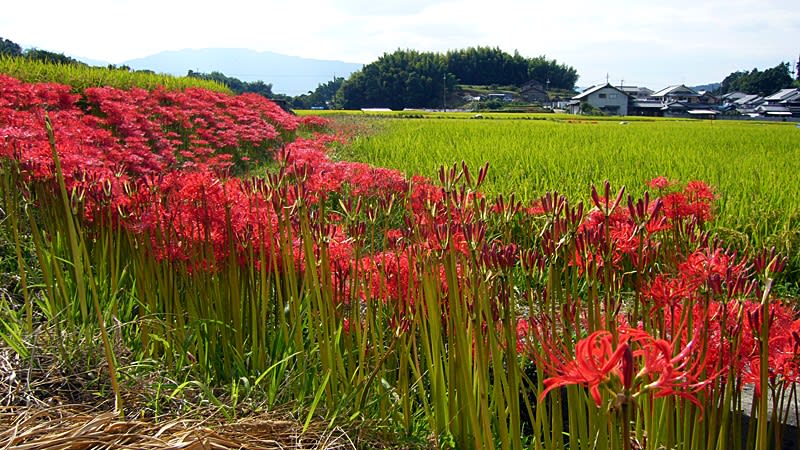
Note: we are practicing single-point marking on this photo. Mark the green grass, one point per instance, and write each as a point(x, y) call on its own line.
point(82, 77)
point(753, 166)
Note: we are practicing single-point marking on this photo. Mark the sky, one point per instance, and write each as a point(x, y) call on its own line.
point(638, 42)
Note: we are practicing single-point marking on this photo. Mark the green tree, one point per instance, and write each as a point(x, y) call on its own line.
point(323, 96)
point(236, 85)
point(402, 79)
point(485, 66)
point(491, 66)
point(50, 57)
point(758, 82)
point(9, 48)
point(553, 74)
point(408, 78)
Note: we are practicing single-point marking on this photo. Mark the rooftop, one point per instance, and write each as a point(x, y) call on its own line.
point(753, 98)
point(783, 94)
point(594, 89)
point(676, 90)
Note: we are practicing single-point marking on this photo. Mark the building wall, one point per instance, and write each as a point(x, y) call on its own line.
point(608, 98)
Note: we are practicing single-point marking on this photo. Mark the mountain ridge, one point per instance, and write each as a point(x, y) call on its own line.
point(291, 75)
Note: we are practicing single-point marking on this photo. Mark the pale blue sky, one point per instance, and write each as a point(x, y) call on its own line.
point(646, 43)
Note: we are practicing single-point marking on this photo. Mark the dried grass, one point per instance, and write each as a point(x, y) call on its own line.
point(78, 427)
point(44, 405)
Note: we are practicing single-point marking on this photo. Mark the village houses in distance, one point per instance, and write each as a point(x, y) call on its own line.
point(683, 101)
point(671, 101)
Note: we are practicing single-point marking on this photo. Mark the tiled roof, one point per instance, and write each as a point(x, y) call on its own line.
point(749, 99)
point(594, 89)
point(677, 89)
point(783, 94)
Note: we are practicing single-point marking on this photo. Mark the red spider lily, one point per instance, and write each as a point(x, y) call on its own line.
point(595, 361)
point(660, 183)
point(783, 345)
point(694, 201)
point(598, 362)
point(680, 375)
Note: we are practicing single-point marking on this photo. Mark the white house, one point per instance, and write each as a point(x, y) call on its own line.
point(605, 97)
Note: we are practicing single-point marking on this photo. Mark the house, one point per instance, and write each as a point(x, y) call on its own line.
point(641, 103)
point(773, 111)
point(749, 101)
point(747, 105)
point(731, 97)
point(534, 92)
point(678, 101)
point(604, 97)
point(677, 93)
point(707, 98)
point(506, 97)
point(783, 96)
point(785, 100)
point(645, 107)
point(676, 109)
point(636, 92)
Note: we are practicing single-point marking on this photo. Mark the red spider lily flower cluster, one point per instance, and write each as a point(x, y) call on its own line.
point(637, 364)
point(729, 334)
point(619, 233)
point(110, 140)
point(695, 199)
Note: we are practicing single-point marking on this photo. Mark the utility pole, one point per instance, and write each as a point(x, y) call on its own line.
point(444, 92)
point(546, 90)
point(797, 69)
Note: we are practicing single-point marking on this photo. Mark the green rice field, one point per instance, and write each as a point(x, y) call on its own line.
point(753, 166)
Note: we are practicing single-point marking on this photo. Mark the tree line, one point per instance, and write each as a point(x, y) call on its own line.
point(762, 82)
point(410, 78)
point(10, 48)
point(486, 66)
point(322, 96)
point(236, 85)
point(414, 79)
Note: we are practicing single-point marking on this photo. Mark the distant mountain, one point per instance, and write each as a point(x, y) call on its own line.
point(92, 62)
point(290, 75)
point(707, 87)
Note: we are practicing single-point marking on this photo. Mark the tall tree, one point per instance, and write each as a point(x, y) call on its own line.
point(9, 48)
point(323, 96)
point(402, 79)
point(557, 76)
point(758, 82)
point(487, 66)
